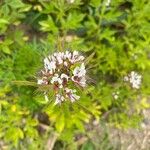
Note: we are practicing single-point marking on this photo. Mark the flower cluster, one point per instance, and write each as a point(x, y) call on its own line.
point(108, 2)
point(63, 70)
point(70, 1)
point(116, 95)
point(134, 79)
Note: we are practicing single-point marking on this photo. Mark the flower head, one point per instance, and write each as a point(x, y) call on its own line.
point(70, 1)
point(108, 2)
point(64, 70)
point(116, 95)
point(134, 79)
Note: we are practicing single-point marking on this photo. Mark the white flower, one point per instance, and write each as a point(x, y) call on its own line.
point(79, 75)
point(135, 79)
point(76, 57)
point(64, 76)
point(59, 73)
point(71, 94)
point(56, 79)
point(59, 57)
point(75, 53)
point(67, 55)
point(50, 65)
point(108, 2)
point(46, 98)
point(80, 58)
point(59, 99)
point(40, 81)
point(115, 95)
point(65, 63)
point(52, 58)
point(70, 1)
point(126, 78)
point(79, 71)
point(82, 82)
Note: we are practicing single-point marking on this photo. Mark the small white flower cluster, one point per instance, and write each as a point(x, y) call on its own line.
point(134, 78)
point(108, 2)
point(70, 1)
point(61, 70)
point(116, 94)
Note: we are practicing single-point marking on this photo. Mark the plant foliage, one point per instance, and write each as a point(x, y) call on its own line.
point(115, 40)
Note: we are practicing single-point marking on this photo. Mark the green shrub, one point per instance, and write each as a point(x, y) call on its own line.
point(115, 40)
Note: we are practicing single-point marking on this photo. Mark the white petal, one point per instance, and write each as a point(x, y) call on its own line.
point(40, 81)
point(64, 76)
point(126, 78)
point(46, 98)
point(65, 63)
point(75, 53)
point(59, 99)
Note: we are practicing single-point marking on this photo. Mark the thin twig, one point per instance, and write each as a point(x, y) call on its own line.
point(51, 141)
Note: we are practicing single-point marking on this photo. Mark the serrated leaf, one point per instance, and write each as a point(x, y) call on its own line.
point(48, 25)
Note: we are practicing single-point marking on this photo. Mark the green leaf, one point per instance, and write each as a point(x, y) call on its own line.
point(25, 8)
point(6, 50)
point(48, 25)
point(73, 21)
point(13, 134)
point(88, 146)
point(16, 4)
point(3, 21)
point(95, 3)
point(60, 123)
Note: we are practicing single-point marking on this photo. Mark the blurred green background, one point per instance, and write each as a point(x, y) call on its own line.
point(113, 35)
